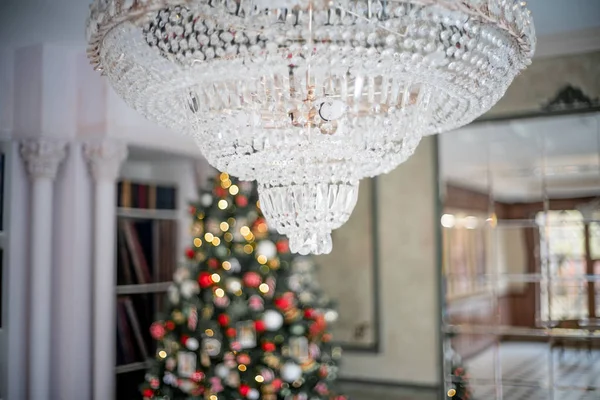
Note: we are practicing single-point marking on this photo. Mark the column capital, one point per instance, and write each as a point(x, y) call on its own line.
point(105, 158)
point(43, 156)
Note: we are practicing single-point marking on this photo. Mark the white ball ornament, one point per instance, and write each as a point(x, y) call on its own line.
point(235, 265)
point(291, 372)
point(189, 288)
point(206, 200)
point(181, 274)
point(273, 320)
point(331, 316)
point(267, 249)
point(253, 394)
point(222, 371)
point(233, 285)
point(192, 344)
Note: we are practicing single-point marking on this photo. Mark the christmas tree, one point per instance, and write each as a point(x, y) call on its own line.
point(242, 320)
point(460, 388)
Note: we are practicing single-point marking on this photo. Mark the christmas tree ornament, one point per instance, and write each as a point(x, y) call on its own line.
point(256, 303)
point(157, 330)
point(331, 316)
point(189, 288)
point(231, 332)
point(222, 302)
point(221, 371)
point(170, 364)
point(268, 347)
point(181, 274)
point(192, 318)
point(267, 249)
point(206, 200)
point(273, 320)
point(198, 376)
point(253, 394)
point(290, 372)
point(211, 346)
point(252, 279)
point(170, 379)
point(190, 253)
point(235, 266)
point(192, 344)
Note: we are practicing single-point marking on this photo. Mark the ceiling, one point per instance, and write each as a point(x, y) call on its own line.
point(508, 158)
point(26, 22)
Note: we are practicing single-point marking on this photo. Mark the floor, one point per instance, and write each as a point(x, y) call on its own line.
point(530, 371)
point(370, 392)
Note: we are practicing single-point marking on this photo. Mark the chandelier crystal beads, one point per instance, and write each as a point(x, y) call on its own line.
point(309, 96)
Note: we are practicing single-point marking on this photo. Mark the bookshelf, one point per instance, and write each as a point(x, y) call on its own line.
point(147, 251)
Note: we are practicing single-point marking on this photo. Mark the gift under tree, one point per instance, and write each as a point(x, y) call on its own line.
point(234, 327)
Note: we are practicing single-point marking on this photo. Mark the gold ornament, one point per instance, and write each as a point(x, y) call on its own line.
point(451, 393)
point(292, 315)
point(197, 228)
point(309, 365)
point(178, 317)
point(272, 361)
point(274, 264)
point(207, 312)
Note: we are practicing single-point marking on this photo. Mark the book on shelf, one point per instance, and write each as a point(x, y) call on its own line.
point(146, 196)
point(134, 317)
point(146, 251)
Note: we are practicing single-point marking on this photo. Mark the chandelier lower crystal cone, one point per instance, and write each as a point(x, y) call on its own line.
point(308, 97)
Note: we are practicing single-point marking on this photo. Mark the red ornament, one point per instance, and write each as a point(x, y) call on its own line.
point(213, 263)
point(223, 319)
point(323, 371)
point(282, 303)
point(283, 246)
point(198, 376)
point(244, 390)
point(252, 279)
point(170, 325)
point(157, 330)
point(241, 201)
point(149, 393)
point(309, 313)
point(205, 280)
point(220, 192)
point(190, 253)
point(244, 359)
point(184, 339)
point(268, 347)
point(192, 210)
point(259, 326)
point(231, 332)
point(276, 384)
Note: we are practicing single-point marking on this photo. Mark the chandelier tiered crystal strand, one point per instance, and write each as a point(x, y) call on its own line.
point(309, 96)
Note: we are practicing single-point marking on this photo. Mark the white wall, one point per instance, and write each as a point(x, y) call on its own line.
point(408, 277)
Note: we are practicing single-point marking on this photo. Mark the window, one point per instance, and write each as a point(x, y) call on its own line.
point(570, 264)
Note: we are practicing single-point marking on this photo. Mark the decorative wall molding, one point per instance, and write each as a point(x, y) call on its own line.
point(571, 98)
point(43, 156)
point(105, 158)
point(536, 87)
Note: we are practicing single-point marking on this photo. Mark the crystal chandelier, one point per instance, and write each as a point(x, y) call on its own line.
point(309, 96)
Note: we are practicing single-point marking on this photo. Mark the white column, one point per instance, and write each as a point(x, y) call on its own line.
point(105, 158)
point(42, 158)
